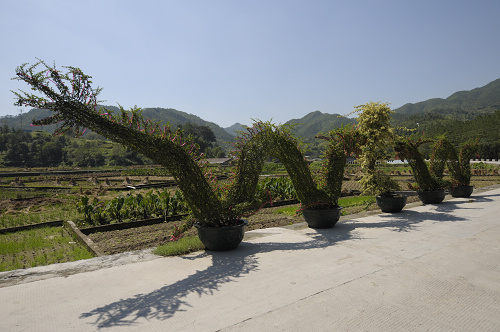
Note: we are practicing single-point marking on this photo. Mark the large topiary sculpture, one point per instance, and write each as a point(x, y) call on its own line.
point(213, 204)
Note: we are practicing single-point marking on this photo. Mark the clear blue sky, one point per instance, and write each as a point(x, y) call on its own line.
point(232, 61)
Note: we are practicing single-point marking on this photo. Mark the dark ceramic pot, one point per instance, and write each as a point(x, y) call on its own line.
point(222, 238)
point(431, 196)
point(461, 191)
point(391, 204)
point(322, 218)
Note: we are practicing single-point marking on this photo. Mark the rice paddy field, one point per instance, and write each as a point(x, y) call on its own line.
point(27, 199)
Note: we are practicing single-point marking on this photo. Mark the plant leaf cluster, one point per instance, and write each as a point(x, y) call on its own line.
point(131, 207)
point(374, 126)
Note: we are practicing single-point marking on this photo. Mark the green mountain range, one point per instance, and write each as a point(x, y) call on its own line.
point(234, 129)
point(462, 105)
point(465, 104)
point(308, 126)
point(165, 115)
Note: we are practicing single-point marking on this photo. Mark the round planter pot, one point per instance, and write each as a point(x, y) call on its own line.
point(461, 191)
point(222, 238)
point(431, 196)
point(322, 218)
point(391, 204)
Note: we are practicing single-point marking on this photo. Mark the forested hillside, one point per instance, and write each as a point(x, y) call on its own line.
point(19, 148)
point(464, 115)
point(165, 115)
point(310, 125)
point(234, 129)
point(438, 113)
point(485, 127)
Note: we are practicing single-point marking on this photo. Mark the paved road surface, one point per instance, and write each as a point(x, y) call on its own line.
point(429, 268)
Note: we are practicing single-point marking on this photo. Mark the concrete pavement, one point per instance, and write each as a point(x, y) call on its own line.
point(430, 267)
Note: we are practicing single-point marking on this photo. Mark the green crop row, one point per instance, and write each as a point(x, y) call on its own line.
point(277, 187)
point(130, 207)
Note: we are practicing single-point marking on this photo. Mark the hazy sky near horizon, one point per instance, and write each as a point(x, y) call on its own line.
point(230, 61)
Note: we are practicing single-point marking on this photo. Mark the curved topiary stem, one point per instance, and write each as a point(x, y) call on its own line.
point(408, 150)
point(265, 139)
point(75, 106)
point(458, 163)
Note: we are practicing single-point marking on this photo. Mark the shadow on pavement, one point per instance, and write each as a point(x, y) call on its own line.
point(228, 266)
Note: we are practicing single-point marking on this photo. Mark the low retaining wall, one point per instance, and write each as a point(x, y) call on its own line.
point(31, 226)
point(81, 238)
point(130, 224)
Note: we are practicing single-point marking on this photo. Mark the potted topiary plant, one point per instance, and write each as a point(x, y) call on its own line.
point(430, 184)
point(74, 103)
point(342, 142)
point(374, 125)
point(387, 199)
point(458, 163)
point(266, 139)
point(319, 199)
point(461, 171)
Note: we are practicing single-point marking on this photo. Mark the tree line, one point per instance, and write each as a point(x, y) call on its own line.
point(19, 148)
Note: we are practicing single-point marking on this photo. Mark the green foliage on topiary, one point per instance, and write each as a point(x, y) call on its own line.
point(461, 170)
point(212, 203)
point(267, 139)
point(374, 125)
point(457, 162)
point(427, 179)
point(342, 142)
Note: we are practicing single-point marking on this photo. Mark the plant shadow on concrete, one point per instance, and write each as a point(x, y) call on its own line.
point(484, 198)
point(408, 220)
point(227, 267)
point(450, 206)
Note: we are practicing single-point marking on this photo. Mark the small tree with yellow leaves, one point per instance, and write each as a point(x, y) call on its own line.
point(374, 124)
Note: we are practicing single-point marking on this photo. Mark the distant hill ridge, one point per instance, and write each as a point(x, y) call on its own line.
point(463, 104)
point(165, 115)
point(485, 99)
point(318, 122)
point(308, 126)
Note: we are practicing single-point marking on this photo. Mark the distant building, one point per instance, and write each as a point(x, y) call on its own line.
point(351, 160)
point(220, 161)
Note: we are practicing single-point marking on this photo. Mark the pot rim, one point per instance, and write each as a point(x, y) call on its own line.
point(442, 189)
point(337, 207)
point(392, 196)
point(241, 223)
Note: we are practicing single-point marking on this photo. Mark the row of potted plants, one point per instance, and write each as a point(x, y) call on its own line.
point(374, 125)
point(217, 208)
